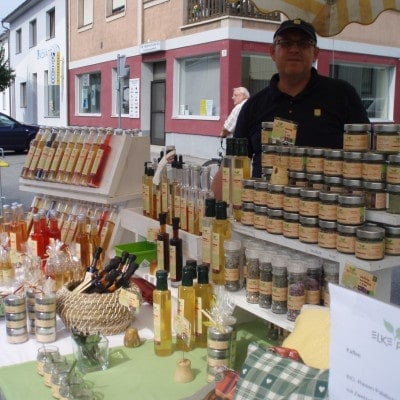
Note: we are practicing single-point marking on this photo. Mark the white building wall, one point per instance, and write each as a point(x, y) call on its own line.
point(5, 95)
point(31, 63)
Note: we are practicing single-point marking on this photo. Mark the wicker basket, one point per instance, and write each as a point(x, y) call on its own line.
point(94, 313)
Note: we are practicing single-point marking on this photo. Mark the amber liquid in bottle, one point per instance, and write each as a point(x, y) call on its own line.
point(61, 173)
point(82, 241)
point(82, 157)
point(73, 159)
point(58, 156)
point(44, 155)
point(85, 175)
point(107, 229)
point(162, 316)
point(51, 151)
point(38, 151)
point(31, 152)
point(163, 244)
point(175, 254)
point(227, 164)
point(100, 161)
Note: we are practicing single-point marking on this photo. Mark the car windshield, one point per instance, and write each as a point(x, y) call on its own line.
point(6, 122)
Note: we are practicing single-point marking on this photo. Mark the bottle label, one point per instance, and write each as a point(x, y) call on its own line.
point(81, 160)
point(72, 160)
point(237, 176)
point(88, 164)
point(164, 196)
point(191, 216)
point(356, 142)
point(226, 184)
point(33, 246)
point(157, 323)
point(206, 244)
point(160, 254)
point(56, 160)
point(49, 158)
point(183, 214)
point(199, 317)
point(146, 198)
point(265, 288)
point(215, 250)
point(172, 262)
point(96, 162)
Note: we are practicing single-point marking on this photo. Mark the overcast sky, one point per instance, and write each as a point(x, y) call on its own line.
point(7, 6)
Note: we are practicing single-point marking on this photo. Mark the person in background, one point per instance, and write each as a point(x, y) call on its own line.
point(318, 105)
point(239, 97)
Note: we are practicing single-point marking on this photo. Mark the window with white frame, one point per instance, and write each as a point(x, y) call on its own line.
point(18, 41)
point(85, 13)
point(32, 33)
point(115, 7)
point(199, 85)
point(373, 83)
point(51, 23)
point(89, 90)
point(124, 82)
point(22, 95)
point(51, 97)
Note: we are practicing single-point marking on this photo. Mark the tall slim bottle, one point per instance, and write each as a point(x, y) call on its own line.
point(54, 230)
point(83, 155)
point(192, 202)
point(73, 158)
point(58, 155)
point(146, 190)
point(204, 193)
point(177, 188)
point(85, 175)
point(108, 228)
point(82, 241)
point(175, 254)
point(51, 152)
point(221, 231)
point(31, 152)
point(203, 291)
point(72, 138)
point(36, 239)
point(163, 244)
point(38, 151)
point(186, 308)
point(206, 228)
point(94, 237)
point(162, 315)
point(184, 197)
point(46, 153)
point(240, 171)
point(227, 171)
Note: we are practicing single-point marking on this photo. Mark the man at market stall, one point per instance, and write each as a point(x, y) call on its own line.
point(317, 105)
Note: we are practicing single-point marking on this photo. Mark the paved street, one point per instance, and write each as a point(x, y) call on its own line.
point(10, 178)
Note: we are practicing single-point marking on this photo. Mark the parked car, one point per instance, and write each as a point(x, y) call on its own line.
point(15, 135)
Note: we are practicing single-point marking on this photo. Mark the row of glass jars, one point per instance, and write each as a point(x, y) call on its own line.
point(385, 138)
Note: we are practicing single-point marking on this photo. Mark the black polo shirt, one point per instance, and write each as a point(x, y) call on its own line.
point(320, 112)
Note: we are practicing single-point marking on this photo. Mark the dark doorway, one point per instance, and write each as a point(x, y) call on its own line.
point(157, 123)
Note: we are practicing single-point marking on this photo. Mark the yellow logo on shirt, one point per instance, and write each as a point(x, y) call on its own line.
point(317, 112)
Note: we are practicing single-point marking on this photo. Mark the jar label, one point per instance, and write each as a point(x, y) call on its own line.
point(290, 229)
point(393, 174)
point(315, 164)
point(308, 234)
point(356, 142)
point(295, 302)
point(265, 288)
point(232, 274)
point(274, 225)
point(387, 143)
point(373, 172)
point(327, 212)
point(291, 203)
point(274, 200)
point(308, 207)
point(251, 285)
point(313, 296)
point(248, 195)
point(218, 344)
point(350, 215)
point(260, 221)
point(260, 197)
point(369, 250)
point(247, 218)
point(392, 246)
point(265, 136)
point(327, 239)
point(268, 160)
point(333, 167)
point(296, 163)
point(345, 244)
point(352, 170)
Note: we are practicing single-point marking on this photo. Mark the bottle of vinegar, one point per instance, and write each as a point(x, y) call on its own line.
point(227, 163)
point(175, 254)
point(163, 244)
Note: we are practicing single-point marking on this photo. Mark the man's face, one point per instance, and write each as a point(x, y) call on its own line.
point(237, 97)
point(294, 53)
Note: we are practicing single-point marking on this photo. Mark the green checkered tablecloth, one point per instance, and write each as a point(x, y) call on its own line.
point(266, 375)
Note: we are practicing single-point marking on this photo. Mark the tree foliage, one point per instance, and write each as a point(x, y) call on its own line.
point(6, 73)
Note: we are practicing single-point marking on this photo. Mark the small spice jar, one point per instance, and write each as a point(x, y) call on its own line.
point(353, 187)
point(370, 243)
point(352, 165)
point(346, 238)
point(357, 137)
point(309, 202)
point(313, 283)
point(266, 132)
point(333, 184)
point(260, 192)
point(290, 228)
point(247, 190)
point(297, 178)
point(393, 193)
point(315, 160)
point(393, 170)
point(282, 156)
point(387, 138)
point(268, 155)
point(297, 158)
point(375, 195)
point(232, 255)
point(279, 284)
point(275, 196)
point(274, 223)
point(333, 163)
point(247, 217)
point(315, 181)
point(260, 217)
point(327, 234)
point(392, 240)
point(351, 210)
point(327, 209)
point(374, 167)
point(253, 276)
point(291, 198)
point(331, 275)
point(297, 271)
point(308, 229)
point(265, 286)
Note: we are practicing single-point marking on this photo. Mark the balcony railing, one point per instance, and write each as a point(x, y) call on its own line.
point(202, 10)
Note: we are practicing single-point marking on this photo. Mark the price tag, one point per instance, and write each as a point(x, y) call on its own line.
point(284, 131)
point(358, 279)
point(128, 299)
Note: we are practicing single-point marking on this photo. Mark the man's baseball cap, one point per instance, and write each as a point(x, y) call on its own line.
point(299, 24)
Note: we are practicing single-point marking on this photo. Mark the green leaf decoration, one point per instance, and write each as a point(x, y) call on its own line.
point(389, 327)
point(398, 333)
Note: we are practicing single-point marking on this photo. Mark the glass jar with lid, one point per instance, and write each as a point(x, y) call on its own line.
point(298, 178)
point(279, 284)
point(266, 173)
point(297, 271)
point(331, 275)
point(297, 158)
point(247, 217)
point(308, 229)
point(353, 187)
point(268, 155)
point(393, 169)
point(265, 286)
point(333, 162)
point(315, 181)
point(375, 195)
point(260, 217)
point(374, 167)
point(370, 242)
point(282, 156)
point(290, 227)
point(327, 234)
point(346, 238)
point(333, 184)
point(266, 132)
point(315, 160)
point(387, 138)
point(291, 198)
point(248, 190)
point(309, 202)
point(253, 275)
point(327, 209)
point(352, 164)
point(275, 196)
point(351, 210)
point(260, 192)
point(274, 223)
point(313, 281)
point(393, 192)
point(392, 240)
point(357, 137)
point(232, 256)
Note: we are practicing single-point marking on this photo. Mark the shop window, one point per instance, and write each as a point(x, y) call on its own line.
point(18, 41)
point(199, 86)
point(115, 7)
point(89, 90)
point(22, 95)
point(51, 97)
point(85, 13)
point(32, 33)
point(51, 24)
point(373, 84)
point(124, 92)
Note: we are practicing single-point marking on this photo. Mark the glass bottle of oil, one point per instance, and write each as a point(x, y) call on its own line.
point(227, 163)
point(184, 197)
point(206, 229)
point(193, 196)
point(108, 228)
point(240, 171)
point(146, 190)
point(203, 291)
point(221, 231)
point(82, 241)
point(162, 315)
point(177, 188)
point(175, 254)
point(204, 193)
point(163, 244)
point(186, 308)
